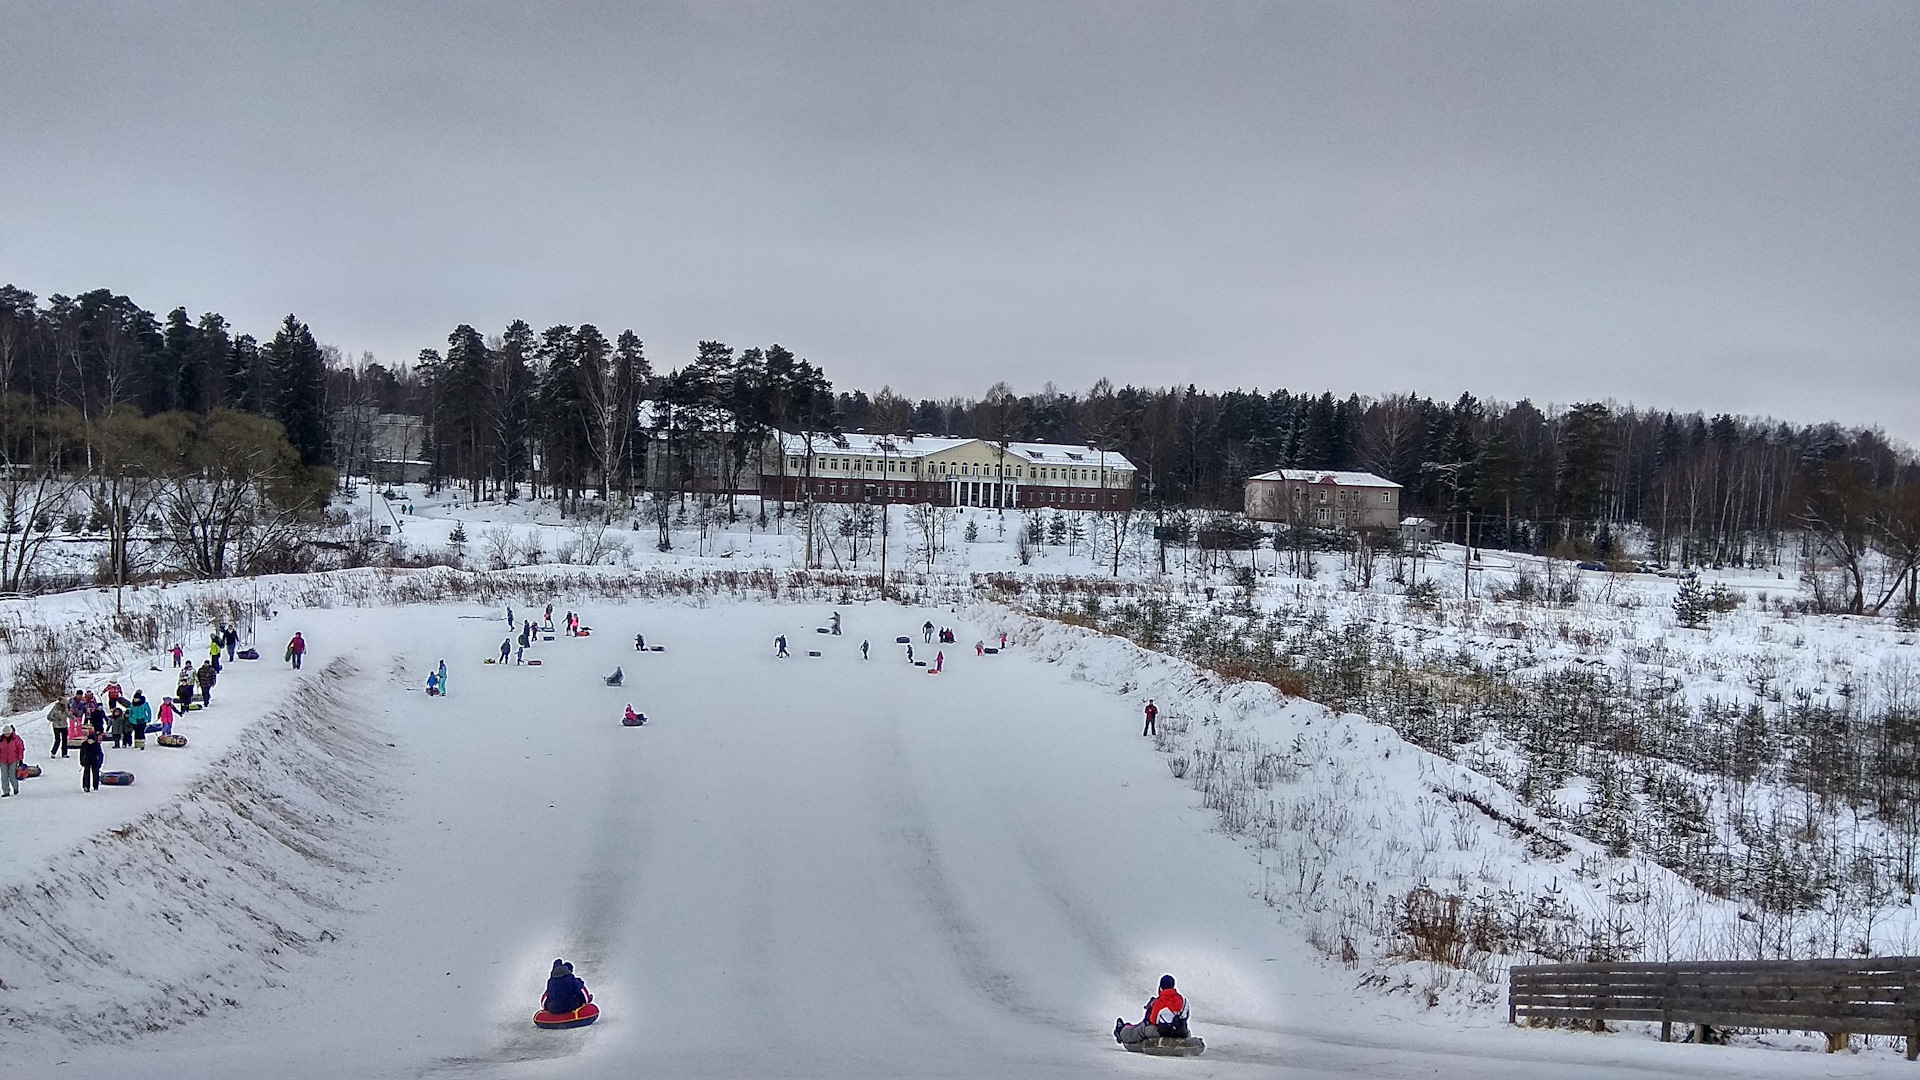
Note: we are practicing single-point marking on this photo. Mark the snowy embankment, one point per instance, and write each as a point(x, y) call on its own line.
point(211, 896)
point(1424, 876)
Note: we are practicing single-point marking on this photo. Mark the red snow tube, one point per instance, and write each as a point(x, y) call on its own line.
point(580, 1017)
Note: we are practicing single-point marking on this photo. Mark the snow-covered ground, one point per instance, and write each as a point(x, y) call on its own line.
point(817, 866)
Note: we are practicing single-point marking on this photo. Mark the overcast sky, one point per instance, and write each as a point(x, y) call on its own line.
point(1681, 205)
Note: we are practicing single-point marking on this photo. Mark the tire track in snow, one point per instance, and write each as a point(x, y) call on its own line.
point(602, 892)
point(920, 864)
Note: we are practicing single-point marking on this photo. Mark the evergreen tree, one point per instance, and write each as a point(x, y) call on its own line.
point(299, 380)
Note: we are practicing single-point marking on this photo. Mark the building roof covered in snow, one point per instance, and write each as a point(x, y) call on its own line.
point(912, 446)
point(1328, 476)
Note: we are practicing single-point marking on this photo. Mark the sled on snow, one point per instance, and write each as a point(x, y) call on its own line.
point(580, 1017)
point(990, 650)
point(116, 779)
point(639, 719)
point(25, 772)
point(172, 740)
point(1161, 1047)
point(919, 663)
point(656, 648)
point(813, 652)
point(902, 640)
point(821, 630)
point(249, 654)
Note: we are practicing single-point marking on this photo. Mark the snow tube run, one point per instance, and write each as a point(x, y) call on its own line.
point(580, 1017)
point(172, 740)
point(116, 779)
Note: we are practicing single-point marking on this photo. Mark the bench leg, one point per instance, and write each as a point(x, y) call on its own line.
point(1666, 1031)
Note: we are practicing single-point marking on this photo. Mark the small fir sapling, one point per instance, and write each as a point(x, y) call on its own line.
point(1690, 606)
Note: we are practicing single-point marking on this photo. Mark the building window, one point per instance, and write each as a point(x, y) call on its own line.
point(1386, 497)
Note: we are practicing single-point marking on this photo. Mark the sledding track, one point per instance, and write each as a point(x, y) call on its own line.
point(810, 867)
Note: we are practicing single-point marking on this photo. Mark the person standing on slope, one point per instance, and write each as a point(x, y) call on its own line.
point(166, 716)
point(506, 650)
point(13, 751)
point(296, 649)
point(926, 632)
point(1166, 1017)
point(939, 662)
point(231, 639)
point(206, 677)
point(92, 756)
point(1153, 713)
point(863, 648)
point(57, 718)
point(443, 678)
point(139, 715)
point(780, 646)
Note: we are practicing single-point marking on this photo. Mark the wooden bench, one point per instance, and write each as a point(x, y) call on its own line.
point(1877, 996)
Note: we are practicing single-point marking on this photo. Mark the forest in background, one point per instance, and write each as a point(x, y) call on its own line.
point(560, 412)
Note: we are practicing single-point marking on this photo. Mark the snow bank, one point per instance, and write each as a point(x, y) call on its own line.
point(1384, 852)
point(186, 909)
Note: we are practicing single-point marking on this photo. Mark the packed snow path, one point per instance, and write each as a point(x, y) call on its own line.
point(805, 867)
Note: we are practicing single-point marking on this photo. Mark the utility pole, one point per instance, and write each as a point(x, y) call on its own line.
point(1466, 564)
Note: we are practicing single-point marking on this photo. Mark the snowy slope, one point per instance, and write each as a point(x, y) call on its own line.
point(803, 867)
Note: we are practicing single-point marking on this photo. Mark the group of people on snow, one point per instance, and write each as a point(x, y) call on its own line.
point(90, 723)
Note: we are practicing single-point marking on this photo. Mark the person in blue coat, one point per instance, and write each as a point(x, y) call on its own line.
point(565, 991)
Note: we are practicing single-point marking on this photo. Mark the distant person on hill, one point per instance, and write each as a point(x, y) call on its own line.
point(780, 645)
point(57, 717)
point(443, 678)
point(1166, 1017)
point(836, 624)
point(939, 661)
point(926, 631)
point(177, 652)
point(433, 684)
point(139, 715)
point(863, 648)
point(206, 677)
point(183, 689)
point(92, 756)
point(639, 643)
point(1153, 713)
point(13, 751)
point(296, 649)
point(616, 678)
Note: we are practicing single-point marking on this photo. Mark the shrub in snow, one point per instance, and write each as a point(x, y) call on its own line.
point(1690, 605)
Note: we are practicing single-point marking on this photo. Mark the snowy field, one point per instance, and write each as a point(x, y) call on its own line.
point(816, 866)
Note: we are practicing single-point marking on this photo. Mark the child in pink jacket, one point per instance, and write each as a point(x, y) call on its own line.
point(166, 716)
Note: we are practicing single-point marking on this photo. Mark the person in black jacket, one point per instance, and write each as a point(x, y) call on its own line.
point(92, 756)
point(565, 992)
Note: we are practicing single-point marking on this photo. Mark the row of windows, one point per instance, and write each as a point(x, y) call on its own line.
point(944, 468)
point(901, 491)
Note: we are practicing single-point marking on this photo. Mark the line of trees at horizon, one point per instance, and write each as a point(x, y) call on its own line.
point(570, 410)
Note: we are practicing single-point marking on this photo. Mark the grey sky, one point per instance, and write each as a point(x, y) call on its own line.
point(1688, 205)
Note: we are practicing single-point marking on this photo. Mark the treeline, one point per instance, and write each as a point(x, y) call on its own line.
point(569, 409)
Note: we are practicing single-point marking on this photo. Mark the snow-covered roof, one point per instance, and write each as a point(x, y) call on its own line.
point(922, 445)
point(860, 442)
point(1416, 522)
point(1329, 476)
